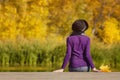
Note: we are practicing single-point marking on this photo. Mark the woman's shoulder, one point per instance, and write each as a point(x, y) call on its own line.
point(78, 36)
point(85, 36)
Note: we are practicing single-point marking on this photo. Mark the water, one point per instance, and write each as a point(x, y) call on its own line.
point(24, 69)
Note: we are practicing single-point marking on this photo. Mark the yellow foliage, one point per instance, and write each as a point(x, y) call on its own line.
point(111, 31)
point(105, 68)
point(10, 9)
point(43, 2)
point(29, 24)
point(37, 18)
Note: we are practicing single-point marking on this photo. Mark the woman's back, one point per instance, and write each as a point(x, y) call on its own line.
point(79, 43)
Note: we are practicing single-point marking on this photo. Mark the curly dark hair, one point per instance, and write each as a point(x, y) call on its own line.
point(79, 26)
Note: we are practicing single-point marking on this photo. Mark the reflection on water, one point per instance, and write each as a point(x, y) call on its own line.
point(24, 69)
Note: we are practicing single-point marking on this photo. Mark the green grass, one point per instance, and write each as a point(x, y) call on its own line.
point(107, 55)
point(33, 55)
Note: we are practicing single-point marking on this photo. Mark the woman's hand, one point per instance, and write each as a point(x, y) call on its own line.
point(59, 70)
point(95, 70)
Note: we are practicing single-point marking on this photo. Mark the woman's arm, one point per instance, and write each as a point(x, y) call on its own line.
point(67, 56)
point(89, 58)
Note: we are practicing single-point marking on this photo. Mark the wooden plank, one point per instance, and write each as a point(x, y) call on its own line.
point(59, 76)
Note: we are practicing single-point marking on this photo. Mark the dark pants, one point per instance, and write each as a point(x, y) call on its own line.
point(80, 69)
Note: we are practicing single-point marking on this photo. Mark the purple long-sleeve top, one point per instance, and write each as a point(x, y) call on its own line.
point(78, 52)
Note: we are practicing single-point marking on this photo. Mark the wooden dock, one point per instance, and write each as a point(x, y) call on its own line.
point(59, 76)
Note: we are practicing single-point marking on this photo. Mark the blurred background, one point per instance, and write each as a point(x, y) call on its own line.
point(33, 32)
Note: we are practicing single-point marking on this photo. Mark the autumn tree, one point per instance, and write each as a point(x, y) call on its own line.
point(102, 10)
point(37, 18)
point(63, 13)
point(110, 33)
point(23, 18)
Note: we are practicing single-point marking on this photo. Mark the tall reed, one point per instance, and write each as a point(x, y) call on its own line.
point(50, 54)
